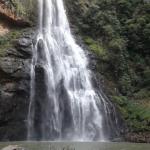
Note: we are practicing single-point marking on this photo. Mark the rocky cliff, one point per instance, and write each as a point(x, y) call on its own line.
point(16, 42)
point(15, 87)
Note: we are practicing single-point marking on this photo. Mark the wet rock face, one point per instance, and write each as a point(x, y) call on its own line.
point(15, 87)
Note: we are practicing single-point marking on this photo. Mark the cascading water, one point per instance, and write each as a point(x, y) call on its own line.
point(63, 104)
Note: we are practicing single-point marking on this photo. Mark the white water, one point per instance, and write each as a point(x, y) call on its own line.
point(71, 108)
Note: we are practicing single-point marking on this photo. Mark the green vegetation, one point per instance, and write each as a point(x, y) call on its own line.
point(22, 8)
point(118, 31)
point(136, 113)
point(96, 48)
point(7, 40)
point(121, 33)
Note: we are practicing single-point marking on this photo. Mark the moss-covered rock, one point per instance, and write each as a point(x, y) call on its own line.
point(7, 40)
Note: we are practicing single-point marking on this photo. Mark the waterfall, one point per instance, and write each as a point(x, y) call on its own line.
point(63, 103)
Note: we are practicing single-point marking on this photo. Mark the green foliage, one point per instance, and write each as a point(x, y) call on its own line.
point(118, 99)
point(137, 29)
point(117, 44)
point(123, 28)
point(80, 2)
point(125, 84)
point(135, 114)
point(121, 33)
point(22, 8)
point(138, 116)
point(140, 95)
point(96, 48)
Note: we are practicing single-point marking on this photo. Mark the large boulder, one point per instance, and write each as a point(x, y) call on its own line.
point(13, 147)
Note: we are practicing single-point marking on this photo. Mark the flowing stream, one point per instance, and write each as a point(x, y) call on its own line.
point(63, 104)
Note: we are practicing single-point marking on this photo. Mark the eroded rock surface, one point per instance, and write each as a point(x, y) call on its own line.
point(17, 12)
point(138, 137)
point(15, 86)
